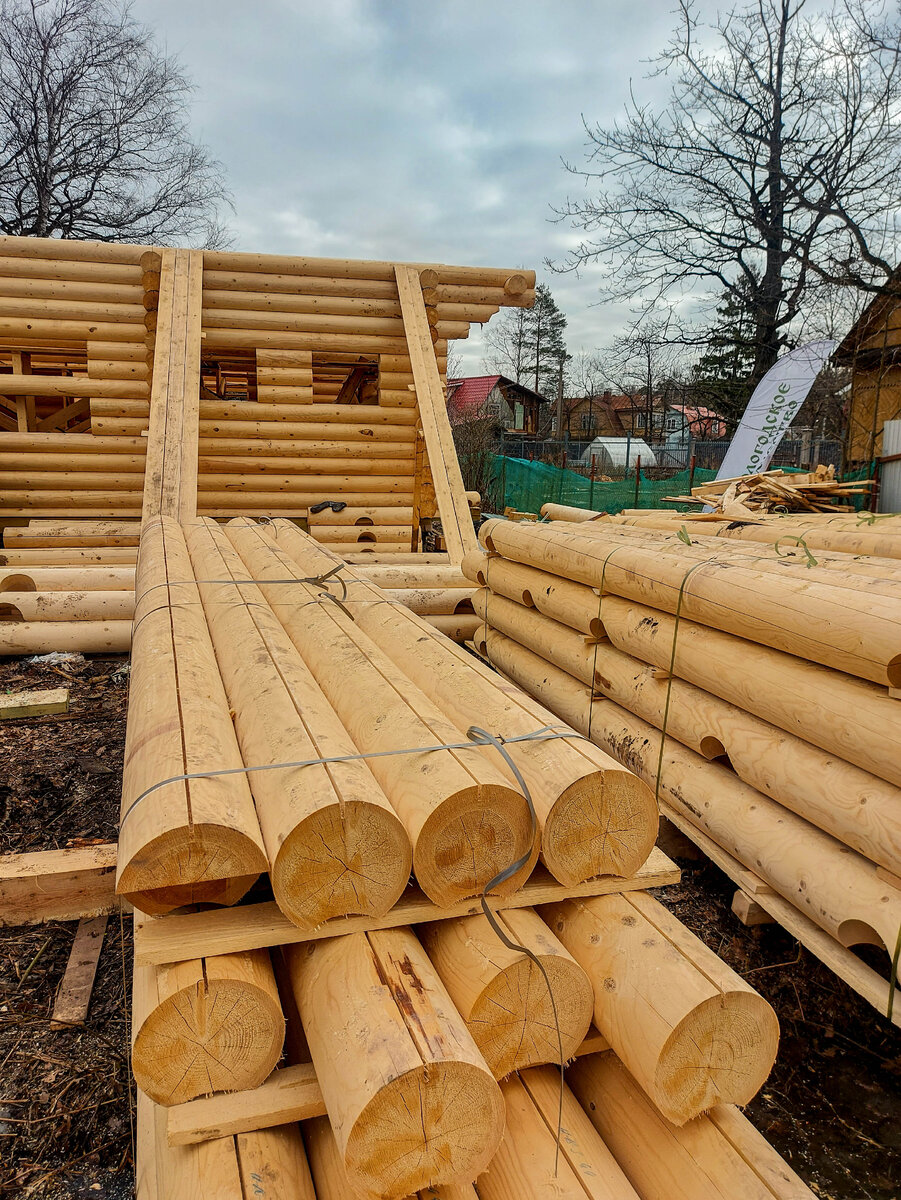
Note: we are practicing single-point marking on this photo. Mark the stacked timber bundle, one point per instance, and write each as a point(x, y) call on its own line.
point(412, 1025)
point(751, 689)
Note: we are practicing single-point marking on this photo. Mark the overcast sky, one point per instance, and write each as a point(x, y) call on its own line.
point(404, 130)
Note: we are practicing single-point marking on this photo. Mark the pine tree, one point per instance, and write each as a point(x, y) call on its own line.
point(527, 344)
point(722, 376)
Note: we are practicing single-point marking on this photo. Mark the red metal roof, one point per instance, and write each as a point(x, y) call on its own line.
point(465, 397)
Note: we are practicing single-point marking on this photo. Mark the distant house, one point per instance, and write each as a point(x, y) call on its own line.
point(872, 349)
point(684, 421)
point(515, 408)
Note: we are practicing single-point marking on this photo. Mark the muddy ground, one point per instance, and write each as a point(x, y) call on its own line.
point(832, 1105)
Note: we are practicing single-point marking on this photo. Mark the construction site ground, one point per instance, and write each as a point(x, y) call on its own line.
point(832, 1105)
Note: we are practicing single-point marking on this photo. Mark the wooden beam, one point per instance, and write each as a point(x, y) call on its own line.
point(34, 704)
point(74, 996)
point(856, 974)
point(445, 468)
point(80, 408)
point(228, 930)
point(289, 1094)
point(58, 885)
point(170, 480)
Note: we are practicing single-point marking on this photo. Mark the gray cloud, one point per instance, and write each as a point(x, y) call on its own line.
point(399, 130)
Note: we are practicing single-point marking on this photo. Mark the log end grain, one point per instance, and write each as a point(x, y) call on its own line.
point(214, 864)
point(470, 839)
point(721, 1053)
point(439, 1123)
point(343, 860)
point(603, 824)
point(216, 1034)
point(514, 1024)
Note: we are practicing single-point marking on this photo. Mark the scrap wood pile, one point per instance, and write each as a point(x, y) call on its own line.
point(752, 687)
point(776, 492)
point(416, 1031)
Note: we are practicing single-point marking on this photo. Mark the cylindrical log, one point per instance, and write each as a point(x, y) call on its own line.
point(434, 601)
point(74, 533)
point(84, 637)
point(66, 606)
point(465, 822)
point(502, 995)
point(460, 628)
point(690, 1030)
point(852, 804)
point(70, 289)
point(416, 575)
point(410, 1098)
point(68, 310)
point(579, 795)
point(118, 559)
point(528, 1164)
point(267, 472)
point(342, 416)
point(179, 842)
point(69, 249)
point(39, 330)
point(688, 713)
point(263, 453)
point(385, 483)
point(52, 268)
point(217, 1026)
point(335, 844)
point(719, 1156)
point(813, 621)
point(330, 1178)
point(71, 443)
point(572, 603)
point(829, 883)
point(66, 579)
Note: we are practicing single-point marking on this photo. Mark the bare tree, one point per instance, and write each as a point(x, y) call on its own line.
point(505, 339)
point(94, 141)
point(775, 166)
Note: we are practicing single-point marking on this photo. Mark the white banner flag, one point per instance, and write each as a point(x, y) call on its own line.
point(772, 408)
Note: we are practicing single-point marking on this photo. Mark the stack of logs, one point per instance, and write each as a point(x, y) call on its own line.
point(748, 674)
point(69, 585)
point(418, 1053)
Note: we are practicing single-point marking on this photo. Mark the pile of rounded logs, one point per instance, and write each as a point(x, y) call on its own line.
point(843, 533)
point(690, 1031)
point(842, 715)
point(466, 822)
point(835, 887)
point(861, 572)
point(595, 818)
point(852, 804)
point(717, 1156)
point(192, 840)
point(816, 621)
point(410, 1099)
point(334, 843)
point(212, 1025)
point(503, 996)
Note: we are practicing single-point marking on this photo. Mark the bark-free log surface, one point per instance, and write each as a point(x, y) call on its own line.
point(835, 887)
point(189, 840)
point(689, 1029)
point(594, 819)
point(503, 996)
point(465, 822)
point(718, 1156)
point(410, 1098)
point(334, 842)
point(812, 620)
point(217, 1026)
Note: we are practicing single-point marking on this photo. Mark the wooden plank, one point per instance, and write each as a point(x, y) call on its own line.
point(227, 930)
point(38, 703)
point(74, 996)
point(445, 468)
point(289, 1094)
point(748, 911)
point(58, 885)
point(865, 981)
point(159, 391)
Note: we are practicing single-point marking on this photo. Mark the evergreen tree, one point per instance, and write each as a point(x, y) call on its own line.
point(722, 376)
point(544, 346)
point(527, 344)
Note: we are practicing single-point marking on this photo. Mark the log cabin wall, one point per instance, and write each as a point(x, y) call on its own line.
point(306, 388)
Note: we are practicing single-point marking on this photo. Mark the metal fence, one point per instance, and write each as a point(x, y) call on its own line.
point(804, 451)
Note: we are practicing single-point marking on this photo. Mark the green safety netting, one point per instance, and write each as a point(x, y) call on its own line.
point(526, 485)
